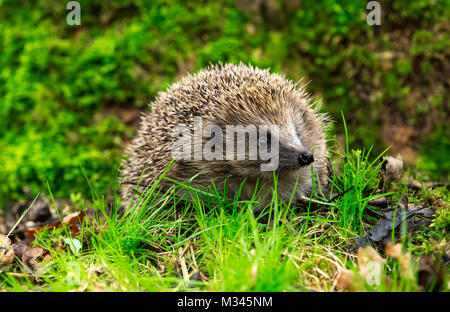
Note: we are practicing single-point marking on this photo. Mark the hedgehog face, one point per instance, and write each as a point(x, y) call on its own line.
point(267, 147)
point(293, 151)
point(296, 143)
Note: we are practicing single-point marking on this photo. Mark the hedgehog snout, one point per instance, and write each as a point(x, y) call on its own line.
point(305, 158)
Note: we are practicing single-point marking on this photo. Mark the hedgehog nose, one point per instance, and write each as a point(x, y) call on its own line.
point(305, 158)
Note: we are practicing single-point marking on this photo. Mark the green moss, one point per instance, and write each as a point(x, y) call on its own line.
point(55, 78)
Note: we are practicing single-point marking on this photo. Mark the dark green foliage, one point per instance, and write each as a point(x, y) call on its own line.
point(57, 81)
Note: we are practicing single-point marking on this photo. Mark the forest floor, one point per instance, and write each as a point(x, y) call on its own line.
point(378, 230)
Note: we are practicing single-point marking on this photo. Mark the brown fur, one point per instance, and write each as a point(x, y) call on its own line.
point(229, 95)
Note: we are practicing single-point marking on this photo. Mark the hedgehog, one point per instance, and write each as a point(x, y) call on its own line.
point(204, 106)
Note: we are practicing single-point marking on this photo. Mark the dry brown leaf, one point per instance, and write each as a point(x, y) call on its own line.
point(393, 251)
point(74, 220)
point(6, 252)
point(404, 259)
point(370, 265)
point(30, 256)
point(345, 280)
point(5, 242)
point(19, 249)
point(367, 257)
point(7, 258)
point(32, 253)
point(383, 228)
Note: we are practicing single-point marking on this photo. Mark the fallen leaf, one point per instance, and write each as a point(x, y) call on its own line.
point(370, 265)
point(19, 249)
point(74, 221)
point(32, 253)
point(382, 230)
point(7, 258)
point(5, 242)
point(345, 280)
point(393, 251)
point(6, 252)
point(369, 260)
point(30, 256)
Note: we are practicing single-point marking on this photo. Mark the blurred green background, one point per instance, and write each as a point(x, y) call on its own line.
point(70, 96)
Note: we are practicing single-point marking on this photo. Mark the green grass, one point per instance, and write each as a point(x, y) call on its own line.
point(161, 242)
